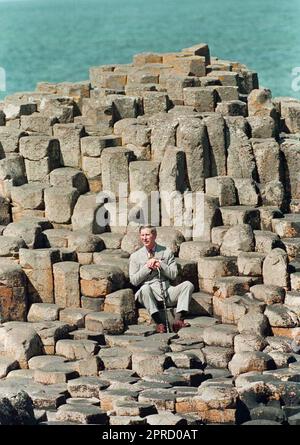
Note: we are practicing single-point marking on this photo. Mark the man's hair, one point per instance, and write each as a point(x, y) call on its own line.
point(152, 228)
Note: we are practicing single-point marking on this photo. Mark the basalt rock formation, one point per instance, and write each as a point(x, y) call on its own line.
point(220, 159)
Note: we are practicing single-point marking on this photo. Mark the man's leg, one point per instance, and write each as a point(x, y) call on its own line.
point(180, 296)
point(148, 300)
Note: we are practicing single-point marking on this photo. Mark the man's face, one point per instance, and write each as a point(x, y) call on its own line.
point(147, 238)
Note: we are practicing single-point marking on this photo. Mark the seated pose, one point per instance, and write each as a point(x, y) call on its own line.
point(151, 268)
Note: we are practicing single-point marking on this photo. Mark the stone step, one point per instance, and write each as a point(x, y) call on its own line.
point(233, 308)
point(74, 316)
point(82, 414)
point(85, 334)
point(228, 286)
point(250, 263)
point(201, 304)
point(217, 357)
point(192, 250)
point(266, 240)
point(86, 387)
point(43, 312)
point(292, 247)
point(55, 373)
point(109, 397)
point(233, 215)
point(292, 298)
point(287, 227)
point(106, 322)
point(115, 358)
point(76, 349)
point(212, 268)
point(268, 293)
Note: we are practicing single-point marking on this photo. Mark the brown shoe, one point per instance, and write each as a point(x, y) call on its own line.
point(178, 324)
point(160, 328)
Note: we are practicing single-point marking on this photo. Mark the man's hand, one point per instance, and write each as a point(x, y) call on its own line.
point(153, 264)
point(157, 265)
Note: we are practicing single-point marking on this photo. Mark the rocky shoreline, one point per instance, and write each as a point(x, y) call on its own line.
point(70, 334)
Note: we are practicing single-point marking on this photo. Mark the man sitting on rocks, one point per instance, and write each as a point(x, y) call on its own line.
point(151, 267)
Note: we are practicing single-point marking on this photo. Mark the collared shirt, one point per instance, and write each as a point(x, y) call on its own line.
point(151, 252)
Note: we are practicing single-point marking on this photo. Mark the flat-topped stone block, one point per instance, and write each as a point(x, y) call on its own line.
point(265, 241)
point(56, 238)
point(111, 240)
point(250, 263)
point(255, 322)
point(122, 302)
point(115, 358)
point(74, 316)
point(292, 247)
point(85, 334)
point(231, 309)
point(76, 349)
point(69, 135)
point(55, 373)
point(192, 250)
point(28, 196)
point(220, 335)
point(281, 316)
point(99, 281)
point(21, 342)
point(50, 332)
point(28, 230)
point(292, 298)
point(106, 322)
point(82, 414)
point(269, 212)
point(250, 361)
point(212, 268)
point(248, 342)
point(43, 312)
point(232, 215)
point(287, 227)
point(86, 387)
point(85, 242)
point(69, 177)
point(223, 188)
point(268, 293)
point(37, 264)
point(110, 396)
point(59, 203)
point(229, 286)
point(42, 361)
point(95, 304)
point(238, 238)
point(142, 364)
point(161, 399)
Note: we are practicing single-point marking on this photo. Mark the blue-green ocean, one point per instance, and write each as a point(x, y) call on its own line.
point(58, 40)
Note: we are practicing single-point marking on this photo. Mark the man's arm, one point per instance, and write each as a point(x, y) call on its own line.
point(169, 267)
point(138, 273)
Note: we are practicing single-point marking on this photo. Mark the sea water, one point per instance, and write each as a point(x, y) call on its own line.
point(58, 40)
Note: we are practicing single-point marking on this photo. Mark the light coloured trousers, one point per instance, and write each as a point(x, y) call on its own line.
point(179, 296)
